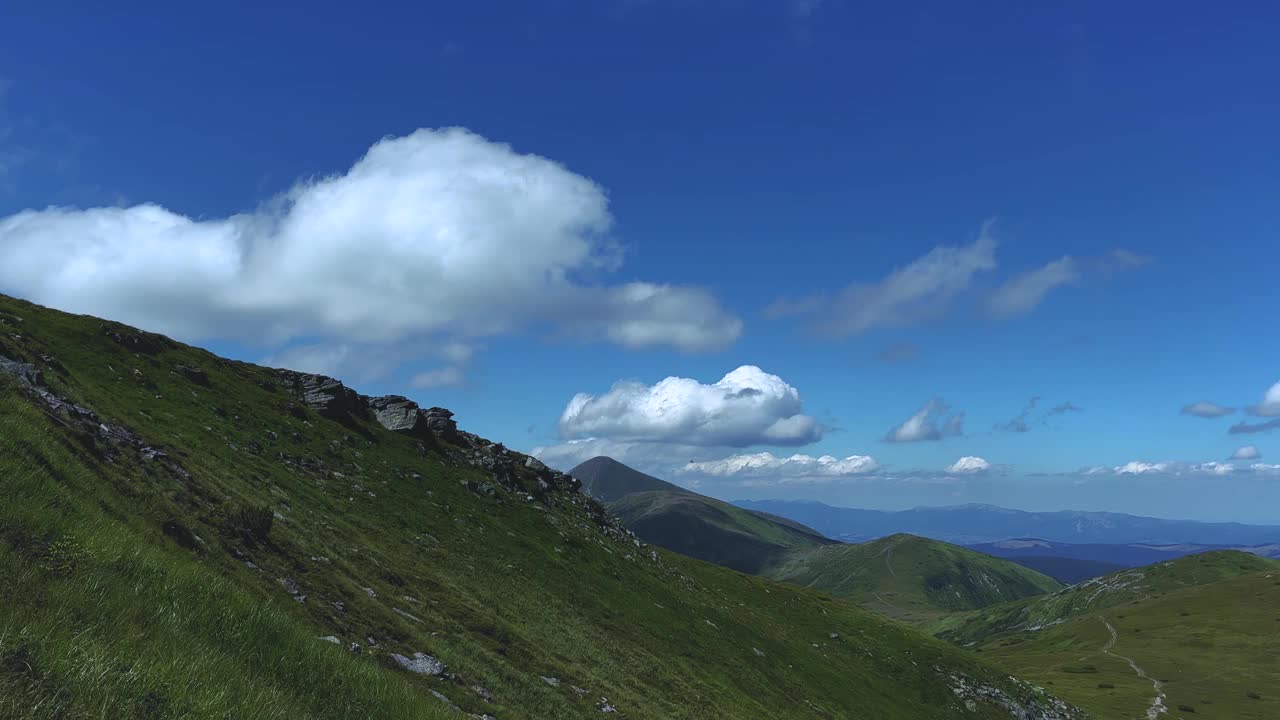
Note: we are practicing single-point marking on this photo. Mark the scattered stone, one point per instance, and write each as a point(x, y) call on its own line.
point(369, 591)
point(332, 639)
point(553, 682)
point(353, 648)
point(604, 706)
point(483, 692)
point(420, 663)
point(404, 614)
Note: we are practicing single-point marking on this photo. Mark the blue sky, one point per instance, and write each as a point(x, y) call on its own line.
point(1106, 179)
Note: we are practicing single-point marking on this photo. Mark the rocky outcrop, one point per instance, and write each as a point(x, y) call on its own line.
point(26, 373)
point(326, 396)
point(400, 414)
point(108, 439)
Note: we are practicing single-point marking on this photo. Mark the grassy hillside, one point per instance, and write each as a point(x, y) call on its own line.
point(1108, 591)
point(710, 530)
point(188, 537)
point(1205, 628)
point(910, 578)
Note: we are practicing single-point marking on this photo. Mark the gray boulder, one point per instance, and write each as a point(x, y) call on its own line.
point(420, 663)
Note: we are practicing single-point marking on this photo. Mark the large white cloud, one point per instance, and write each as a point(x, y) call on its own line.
point(1270, 405)
point(968, 465)
point(746, 407)
point(440, 234)
point(766, 464)
point(934, 421)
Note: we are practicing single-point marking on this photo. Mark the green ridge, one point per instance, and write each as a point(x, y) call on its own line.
point(911, 578)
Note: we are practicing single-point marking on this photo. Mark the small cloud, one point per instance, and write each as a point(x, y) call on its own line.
point(1021, 294)
point(1270, 405)
point(1119, 260)
point(1246, 452)
point(1244, 428)
point(969, 465)
point(440, 377)
point(1141, 468)
point(795, 468)
point(932, 422)
point(1024, 422)
point(1214, 468)
point(1206, 409)
point(897, 353)
point(1019, 424)
point(923, 289)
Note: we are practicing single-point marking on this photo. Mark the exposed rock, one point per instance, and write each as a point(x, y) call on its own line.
point(332, 639)
point(26, 373)
point(420, 663)
point(192, 373)
point(553, 682)
point(441, 421)
point(398, 414)
point(326, 396)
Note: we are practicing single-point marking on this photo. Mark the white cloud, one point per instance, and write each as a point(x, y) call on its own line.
point(1206, 409)
point(969, 464)
point(440, 377)
point(932, 422)
point(746, 407)
point(1214, 468)
point(1270, 405)
point(1211, 467)
point(794, 467)
point(1141, 468)
point(440, 235)
point(1246, 452)
point(922, 289)
point(1022, 293)
point(656, 458)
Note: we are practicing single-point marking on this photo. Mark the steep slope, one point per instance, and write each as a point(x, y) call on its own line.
point(973, 524)
point(184, 536)
point(606, 480)
point(710, 530)
point(1198, 637)
point(910, 578)
point(689, 523)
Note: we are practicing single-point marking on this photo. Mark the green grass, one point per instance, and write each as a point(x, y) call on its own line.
point(708, 529)
point(131, 589)
point(911, 578)
point(1206, 626)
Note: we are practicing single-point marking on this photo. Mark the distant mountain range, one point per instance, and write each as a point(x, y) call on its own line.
point(977, 524)
point(910, 578)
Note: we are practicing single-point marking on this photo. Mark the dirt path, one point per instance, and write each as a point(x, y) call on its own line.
point(1157, 703)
